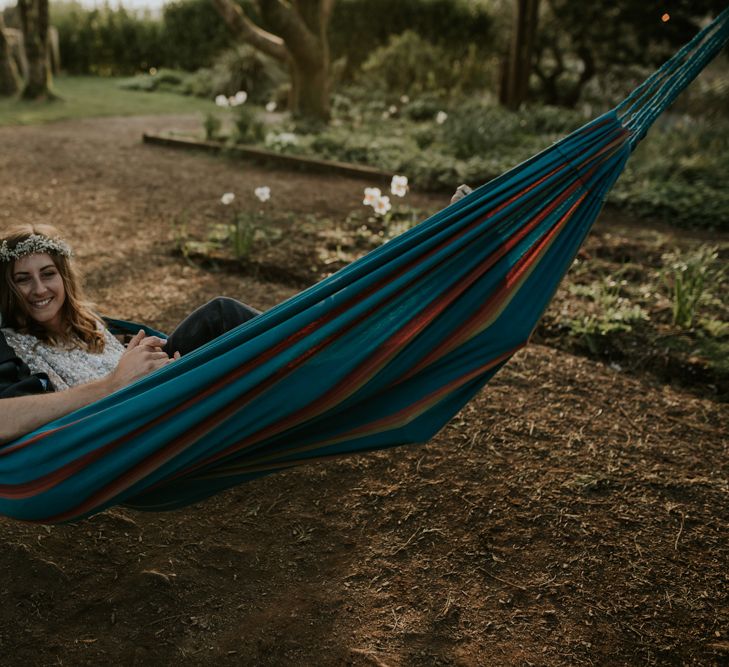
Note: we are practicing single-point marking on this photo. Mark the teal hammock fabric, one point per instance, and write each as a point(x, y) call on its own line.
point(382, 353)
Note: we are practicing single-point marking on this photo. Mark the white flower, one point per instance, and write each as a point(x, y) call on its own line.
point(221, 101)
point(372, 195)
point(239, 98)
point(385, 115)
point(288, 138)
point(404, 99)
point(271, 106)
point(392, 109)
point(399, 185)
point(382, 205)
point(263, 193)
point(227, 198)
point(441, 117)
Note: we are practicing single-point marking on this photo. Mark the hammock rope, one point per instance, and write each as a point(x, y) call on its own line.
point(382, 353)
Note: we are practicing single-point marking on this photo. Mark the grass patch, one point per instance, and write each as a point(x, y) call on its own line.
point(88, 97)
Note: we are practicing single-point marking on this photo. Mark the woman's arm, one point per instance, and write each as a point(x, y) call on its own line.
point(24, 414)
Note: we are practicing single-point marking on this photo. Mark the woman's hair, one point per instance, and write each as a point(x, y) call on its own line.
point(79, 320)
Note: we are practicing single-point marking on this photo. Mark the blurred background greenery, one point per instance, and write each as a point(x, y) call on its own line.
point(420, 87)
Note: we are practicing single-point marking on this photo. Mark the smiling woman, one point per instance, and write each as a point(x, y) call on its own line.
point(53, 342)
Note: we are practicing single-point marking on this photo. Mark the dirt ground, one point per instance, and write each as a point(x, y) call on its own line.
point(571, 514)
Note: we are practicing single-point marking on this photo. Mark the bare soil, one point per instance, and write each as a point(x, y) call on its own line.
point(572, 514)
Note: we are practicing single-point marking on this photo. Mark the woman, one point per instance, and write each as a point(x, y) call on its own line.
point(56, 355)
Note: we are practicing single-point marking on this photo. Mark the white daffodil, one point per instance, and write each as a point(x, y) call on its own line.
point(263, 193)
point(382, 205)
point(441, 117)
point(222, 101)
point(227, 198)
point(392, 109)
point(404, 99)
point(239, 98)
point(271, 106)
point(399, 186)
point(371, 196)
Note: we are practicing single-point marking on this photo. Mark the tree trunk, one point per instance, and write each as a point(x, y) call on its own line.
point(300, 40)
point(515, 89)
point(34, 17)
point(9, 79)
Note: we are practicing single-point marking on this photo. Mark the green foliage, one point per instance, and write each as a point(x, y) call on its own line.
point(610, 312)
point(242, 236)
point(239, 68)
point(688, 278)
point(359, 27)
point(211, 125)
point(173, 81)
point(577, 41)
point(678, 174)
point(194, 34)
point(409, 64)
point(249, 128)
point(106, 41)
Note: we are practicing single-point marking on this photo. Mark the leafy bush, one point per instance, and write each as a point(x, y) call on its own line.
point(106, 41)
point(165, 79)
point(359, 27)
point(194, 34)
point(248, 126)
point(409, 64)
point(239, 68)
point(678, 175)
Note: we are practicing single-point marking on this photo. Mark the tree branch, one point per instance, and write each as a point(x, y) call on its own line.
point(290, 24)
point(243, 27)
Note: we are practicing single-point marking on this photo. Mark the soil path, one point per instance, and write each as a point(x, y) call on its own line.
point(569, 515)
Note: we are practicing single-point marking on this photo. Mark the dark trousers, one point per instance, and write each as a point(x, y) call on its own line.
point(207, 323)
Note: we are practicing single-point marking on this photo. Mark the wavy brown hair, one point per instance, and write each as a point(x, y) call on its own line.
point(79, 321)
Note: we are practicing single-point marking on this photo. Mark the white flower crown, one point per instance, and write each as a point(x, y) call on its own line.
point(34, 244)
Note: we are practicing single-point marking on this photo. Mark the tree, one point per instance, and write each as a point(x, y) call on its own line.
point(518, 66)
point(299, 39)
point(34, 20)
point(9, 79)
point(578, 40)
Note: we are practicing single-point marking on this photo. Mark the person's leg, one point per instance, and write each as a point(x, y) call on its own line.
point(207, 323)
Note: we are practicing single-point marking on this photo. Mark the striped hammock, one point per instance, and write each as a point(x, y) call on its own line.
point(382, 353)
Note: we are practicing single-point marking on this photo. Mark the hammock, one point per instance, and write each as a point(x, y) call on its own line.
point(382, 353)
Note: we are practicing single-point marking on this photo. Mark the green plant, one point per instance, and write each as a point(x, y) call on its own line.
point(249, 127)
point(409, 64)
point(688, 279)
point(606, 312)
point(211, 125)
point(242, 235)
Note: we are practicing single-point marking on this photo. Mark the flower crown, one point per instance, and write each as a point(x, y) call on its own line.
point(34, 244)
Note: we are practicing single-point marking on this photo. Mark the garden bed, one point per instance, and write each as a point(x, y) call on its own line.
point(270, 158)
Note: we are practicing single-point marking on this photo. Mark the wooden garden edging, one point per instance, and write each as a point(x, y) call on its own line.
point(271, 157)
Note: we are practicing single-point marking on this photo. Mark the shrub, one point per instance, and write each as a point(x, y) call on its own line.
point(412, 65)
point(248, 126)
point(106, 41)
point(194, 34)
point(239, 68)
point(359, 27)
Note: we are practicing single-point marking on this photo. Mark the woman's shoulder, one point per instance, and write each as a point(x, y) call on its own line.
point(23, 345)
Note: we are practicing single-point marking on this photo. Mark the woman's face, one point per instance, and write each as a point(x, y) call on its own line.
point(41, 287)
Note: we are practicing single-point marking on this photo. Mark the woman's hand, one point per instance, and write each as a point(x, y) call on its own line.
point(143, 355)
point(461, 192)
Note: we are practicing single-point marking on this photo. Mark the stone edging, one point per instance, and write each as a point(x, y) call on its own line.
point(271, 157)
